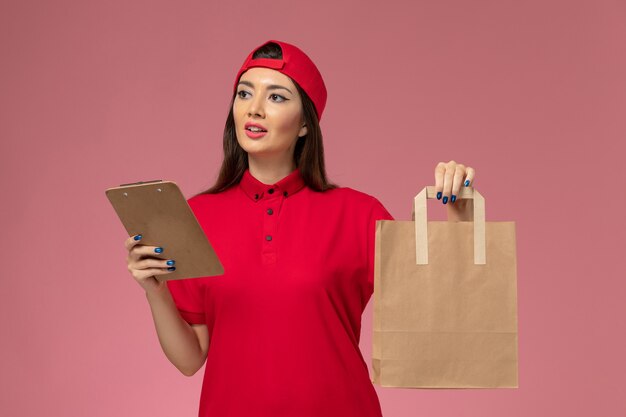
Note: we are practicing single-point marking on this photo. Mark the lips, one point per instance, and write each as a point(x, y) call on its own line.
point(249, 124)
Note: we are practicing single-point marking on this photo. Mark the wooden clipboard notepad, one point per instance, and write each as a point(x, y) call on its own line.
point(160, 213)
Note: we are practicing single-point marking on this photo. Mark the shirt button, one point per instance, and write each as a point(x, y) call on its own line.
point(271, 191)
point(268, 237)
point(270, 211)
point(256, 196)
point(285, 193)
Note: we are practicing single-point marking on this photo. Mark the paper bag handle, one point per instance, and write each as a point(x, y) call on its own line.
point(420, 216)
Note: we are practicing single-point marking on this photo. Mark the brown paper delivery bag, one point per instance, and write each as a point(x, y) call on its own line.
point(445, 300)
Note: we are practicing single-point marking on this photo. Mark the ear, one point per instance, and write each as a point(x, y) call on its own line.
point(303, 131)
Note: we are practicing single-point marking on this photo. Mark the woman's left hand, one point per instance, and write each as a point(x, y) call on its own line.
point(448, 180)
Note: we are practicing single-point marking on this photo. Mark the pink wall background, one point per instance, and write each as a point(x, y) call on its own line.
point(531, 94)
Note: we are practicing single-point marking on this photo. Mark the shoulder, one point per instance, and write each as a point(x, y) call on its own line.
point(354, 196)
point(212, 203)
point(215, 198)
point(370, 205)
point(358, 201)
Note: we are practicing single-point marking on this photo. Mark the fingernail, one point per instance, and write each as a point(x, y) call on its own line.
point(171, 268)
point(445, 199)
point(453, 198)
point(170, 262)
point(137, 237)
point(439, 195)
point(466, 183)
point(158, 250)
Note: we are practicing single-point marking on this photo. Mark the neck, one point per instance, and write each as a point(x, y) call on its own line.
point(270, 171)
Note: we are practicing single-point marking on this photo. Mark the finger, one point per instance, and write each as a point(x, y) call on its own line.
point(457, 180)
point(132, 241)
point(143, 274)
point(440, 169)
point(470, 174)
point(145, 251)
point(448, 177)
point(154, 263)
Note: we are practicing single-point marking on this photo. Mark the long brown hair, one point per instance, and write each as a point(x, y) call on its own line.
point(308, 153)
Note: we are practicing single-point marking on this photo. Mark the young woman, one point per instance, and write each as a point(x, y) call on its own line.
point(279, 330)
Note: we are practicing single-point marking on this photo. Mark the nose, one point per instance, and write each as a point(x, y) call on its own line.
point(256, 106)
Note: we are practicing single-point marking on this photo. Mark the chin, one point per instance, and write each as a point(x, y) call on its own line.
point(253, 148)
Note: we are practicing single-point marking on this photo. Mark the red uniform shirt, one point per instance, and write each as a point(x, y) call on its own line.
point(284, 320)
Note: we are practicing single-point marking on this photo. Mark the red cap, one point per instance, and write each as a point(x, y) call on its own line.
point(296, 65)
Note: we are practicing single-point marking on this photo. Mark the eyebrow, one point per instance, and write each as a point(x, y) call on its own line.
point(269, 87)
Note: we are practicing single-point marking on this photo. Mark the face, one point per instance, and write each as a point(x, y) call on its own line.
point(270, 99)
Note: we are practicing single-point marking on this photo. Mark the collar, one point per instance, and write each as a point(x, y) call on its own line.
point(257, 190)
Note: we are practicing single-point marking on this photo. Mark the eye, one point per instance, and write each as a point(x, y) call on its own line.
point(239, 93)
point(281, 97)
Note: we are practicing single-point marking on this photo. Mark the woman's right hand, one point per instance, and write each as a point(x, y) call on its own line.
point(143, 266)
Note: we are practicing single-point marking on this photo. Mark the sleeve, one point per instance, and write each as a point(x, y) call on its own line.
point(378, 212)
point(188, 296)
